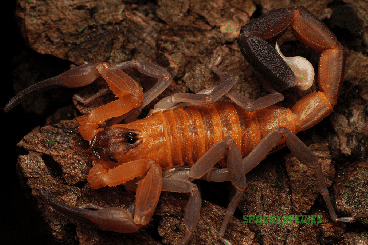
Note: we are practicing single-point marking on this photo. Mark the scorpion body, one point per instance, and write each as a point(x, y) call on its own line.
point(180, 137)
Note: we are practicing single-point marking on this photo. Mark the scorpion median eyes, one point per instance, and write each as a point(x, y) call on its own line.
point(198, 136)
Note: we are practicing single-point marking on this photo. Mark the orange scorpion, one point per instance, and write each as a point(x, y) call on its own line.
point(170, 148)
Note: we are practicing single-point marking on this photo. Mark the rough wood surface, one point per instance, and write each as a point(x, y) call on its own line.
point(184, 37)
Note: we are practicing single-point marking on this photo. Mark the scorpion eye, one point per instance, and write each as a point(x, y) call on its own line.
point(131, 137)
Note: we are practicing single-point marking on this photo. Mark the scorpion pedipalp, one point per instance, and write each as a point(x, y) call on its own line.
point(73, 78)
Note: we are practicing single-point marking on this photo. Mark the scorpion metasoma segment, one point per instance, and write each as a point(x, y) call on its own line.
point(171, 147)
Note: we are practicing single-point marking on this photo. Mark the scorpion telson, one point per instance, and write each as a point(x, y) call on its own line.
point(199, 135)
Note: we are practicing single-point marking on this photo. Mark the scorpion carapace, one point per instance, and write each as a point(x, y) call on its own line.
point(113, 142)
point(200, 135)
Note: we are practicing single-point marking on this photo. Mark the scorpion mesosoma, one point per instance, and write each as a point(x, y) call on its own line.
point(153, 149)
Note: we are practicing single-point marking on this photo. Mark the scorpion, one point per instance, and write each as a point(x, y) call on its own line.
point(175, 145)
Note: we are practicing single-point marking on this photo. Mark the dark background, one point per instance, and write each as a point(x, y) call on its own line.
point(20, 222)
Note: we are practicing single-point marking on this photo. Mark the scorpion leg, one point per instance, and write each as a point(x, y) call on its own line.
point(212, 95)
point(241, 100)
point(254, 105)
point(192, 210)
point(85, 101)
point(235, 170)
point(301, 151)
point(129, 95)
point(114, 218)
point(203, 97)
point(152, 70)
point(149, 69)
point(213, 174)
point(73, 78)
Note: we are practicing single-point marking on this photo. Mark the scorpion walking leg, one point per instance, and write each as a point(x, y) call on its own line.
point(206, 97)
point(241, 100)
point(235, 169)
point(86, 101)
point(129, 95)
point(193, 207)
point(149, 69)
point(225, 88)
point(260, 103)
point(301, 151)
point(152, 70)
